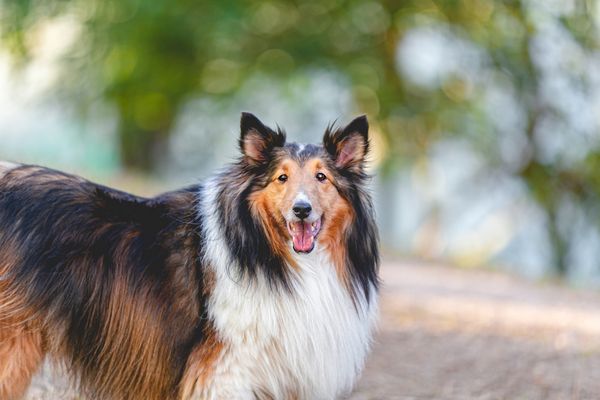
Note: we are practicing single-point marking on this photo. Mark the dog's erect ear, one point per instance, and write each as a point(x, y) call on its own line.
point(349, 146)
point(257, 140)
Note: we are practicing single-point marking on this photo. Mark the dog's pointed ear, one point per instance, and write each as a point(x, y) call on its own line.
point(257, 141)
point(349, 146)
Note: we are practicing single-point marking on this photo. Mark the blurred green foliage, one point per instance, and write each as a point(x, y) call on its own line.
point(147, 58)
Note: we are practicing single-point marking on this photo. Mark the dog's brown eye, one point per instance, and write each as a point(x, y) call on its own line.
point(321, 177)
point(282, 178)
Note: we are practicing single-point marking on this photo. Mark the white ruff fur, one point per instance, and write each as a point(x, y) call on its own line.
point(307, 344)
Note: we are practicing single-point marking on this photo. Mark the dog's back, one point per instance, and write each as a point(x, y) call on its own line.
point(98, 279)
point(6, 166)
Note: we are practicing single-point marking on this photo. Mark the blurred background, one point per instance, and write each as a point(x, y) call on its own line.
point(484, 115)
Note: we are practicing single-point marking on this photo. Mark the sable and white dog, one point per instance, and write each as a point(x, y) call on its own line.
point(259, 283)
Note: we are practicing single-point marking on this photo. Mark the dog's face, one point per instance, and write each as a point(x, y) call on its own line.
point(302, 192)
point(299, 194)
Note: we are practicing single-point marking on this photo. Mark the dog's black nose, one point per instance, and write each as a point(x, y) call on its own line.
point(302, 209)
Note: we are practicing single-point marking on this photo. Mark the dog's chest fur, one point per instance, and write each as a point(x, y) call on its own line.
point(309, 343)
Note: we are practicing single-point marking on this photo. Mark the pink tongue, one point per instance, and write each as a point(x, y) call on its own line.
point(302, 237)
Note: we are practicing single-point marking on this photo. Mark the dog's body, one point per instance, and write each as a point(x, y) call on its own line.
point(259, 283)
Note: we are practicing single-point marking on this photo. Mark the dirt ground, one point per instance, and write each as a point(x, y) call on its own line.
point(455, 334)
point(448, 334)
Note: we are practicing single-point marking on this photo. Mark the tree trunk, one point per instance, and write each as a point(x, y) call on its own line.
point(139, 148)
point(558, 243)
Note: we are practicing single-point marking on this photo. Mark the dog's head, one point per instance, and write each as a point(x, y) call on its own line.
point(303, 193)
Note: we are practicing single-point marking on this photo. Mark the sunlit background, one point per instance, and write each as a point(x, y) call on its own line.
point(484, 114)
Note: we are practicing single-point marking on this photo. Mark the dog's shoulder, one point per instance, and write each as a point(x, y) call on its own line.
point(50, 193)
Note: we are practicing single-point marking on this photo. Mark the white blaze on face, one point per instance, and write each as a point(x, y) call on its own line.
point(301, 197)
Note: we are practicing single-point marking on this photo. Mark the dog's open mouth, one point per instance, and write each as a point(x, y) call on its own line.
point(304, 234)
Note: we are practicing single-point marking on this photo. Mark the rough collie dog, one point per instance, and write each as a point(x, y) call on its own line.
point(260, 283)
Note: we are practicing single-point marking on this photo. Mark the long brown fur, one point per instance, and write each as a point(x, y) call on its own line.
point(21, 353)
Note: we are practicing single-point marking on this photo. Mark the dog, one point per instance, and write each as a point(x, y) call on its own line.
point(259, 283)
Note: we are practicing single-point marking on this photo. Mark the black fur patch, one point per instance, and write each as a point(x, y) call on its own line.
point(362, 241)
point(244, 233)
